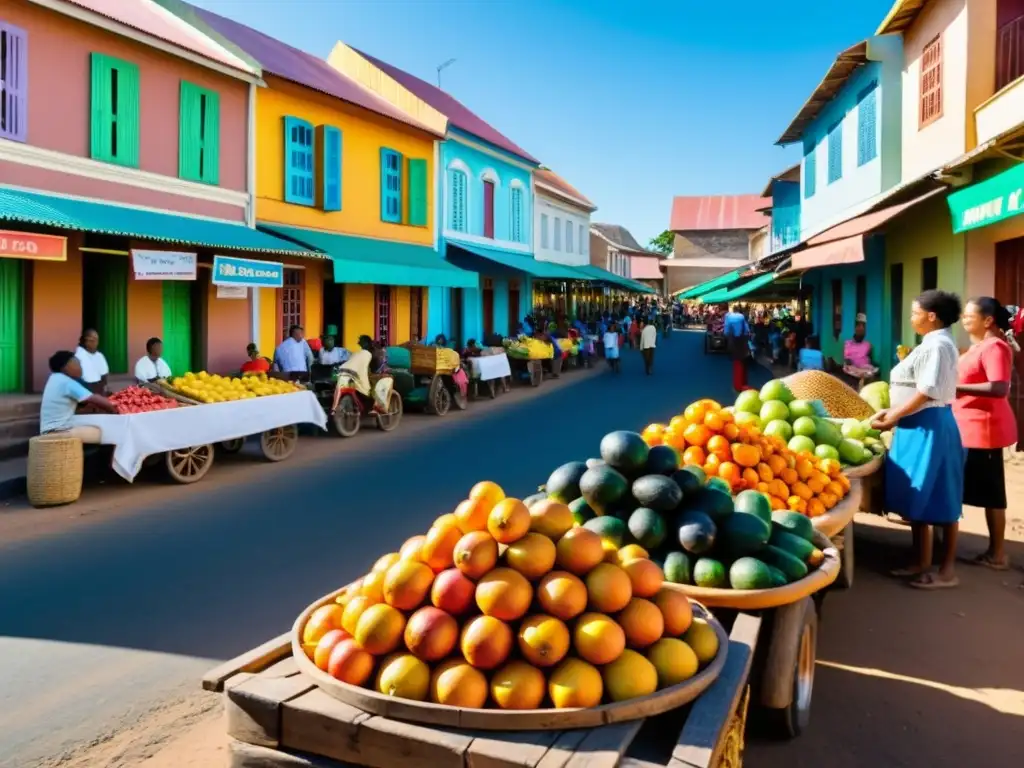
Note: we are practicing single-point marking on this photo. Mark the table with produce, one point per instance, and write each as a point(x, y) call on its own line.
point(629, 585)
point(183, 418)
point(526, 356)
point(491, 369)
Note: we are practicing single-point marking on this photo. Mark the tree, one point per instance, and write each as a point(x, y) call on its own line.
point(662, 243)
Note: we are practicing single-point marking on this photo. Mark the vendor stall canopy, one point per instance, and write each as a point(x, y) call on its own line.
point(710, 285)
point(519, 262)
point(612, 280)
point(768, 284)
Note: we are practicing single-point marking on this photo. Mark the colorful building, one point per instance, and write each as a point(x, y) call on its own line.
point(614, 248)
point(341, 170)
point(124, 176)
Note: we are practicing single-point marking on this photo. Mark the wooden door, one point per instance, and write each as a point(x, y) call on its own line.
point(1010, 290)
point(177, 333)
point(489, 209)
point(12, 326)
point(105, 306)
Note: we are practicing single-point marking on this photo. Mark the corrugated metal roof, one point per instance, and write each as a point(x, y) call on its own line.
point(902, 14)
point(551, 179)
point(621, 238)
point(717, 212)
point(152, 19)
point(846, 64)
point(283, 60)
point(458, 114)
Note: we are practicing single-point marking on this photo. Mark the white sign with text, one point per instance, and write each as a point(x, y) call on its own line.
point(164, 265)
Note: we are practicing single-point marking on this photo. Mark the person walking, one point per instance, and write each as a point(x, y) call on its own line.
point(611, 347)
point(736, 331)
point(648, 341)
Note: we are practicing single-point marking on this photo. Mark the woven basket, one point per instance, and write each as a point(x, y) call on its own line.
point(54, 470)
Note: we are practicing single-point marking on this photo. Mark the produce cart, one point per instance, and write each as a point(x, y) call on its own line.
point(277, 716)
point(491, 372)
point(432, 378)
point(837, 524)
point(530, 371)
point(185, 436)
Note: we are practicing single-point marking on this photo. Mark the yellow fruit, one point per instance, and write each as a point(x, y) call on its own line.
point(598, 639)
point(551, 518)
point(322, 650)
point(353, 610)
point(676, 611)
point(386, 561)
point(644, 575)
point(439, 545)
point(379, 629)
point(485, 642)
point(404, 677)
point(411, 549)
point(373, 586)
point(458, 684)
point(611, 551)
point(407, 583)
point(446, 520)
point(642, 623)
point(350, 663)
point(517, 685)
point(533, 555)
point(543, 640)
point(471, 515)
point(629, 677)
point(609, 588)
point(674, 661)
point(487, 492)
point(321, 621)
point(475, 554)
point(579, 551)
point(509, 521)
point(504, 594)
point(575, 683)
point(703, 639)
point(562, 594)
point(840, 400)
point(631, 552)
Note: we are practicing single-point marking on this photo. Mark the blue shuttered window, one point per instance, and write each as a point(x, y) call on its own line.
point(867, 131)
point(329, 164)
point(390, 186)
point(457, 184)
point(298, 162)
point(810, 170)
point(517, 215)
point(835, 152)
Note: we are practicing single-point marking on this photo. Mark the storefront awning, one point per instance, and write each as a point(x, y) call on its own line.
point(741, 290)
point(380, 262)
point(849, 250)
point(519, 262)
point(108, 219)
point(989, 201)
point(597, 274)
point(710, 285)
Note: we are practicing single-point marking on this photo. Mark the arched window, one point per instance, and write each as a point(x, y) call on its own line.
point(516, 216)
point(458, 184)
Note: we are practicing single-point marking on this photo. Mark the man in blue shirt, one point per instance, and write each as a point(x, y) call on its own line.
point(61, 396)
point(736, 331)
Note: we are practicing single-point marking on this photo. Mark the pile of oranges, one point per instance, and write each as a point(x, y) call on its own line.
point(512, 607)
point(707, 436)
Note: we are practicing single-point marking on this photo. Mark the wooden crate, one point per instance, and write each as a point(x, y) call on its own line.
point(277, 718)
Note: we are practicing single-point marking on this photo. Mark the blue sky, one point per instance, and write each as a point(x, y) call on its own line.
point(632, 101)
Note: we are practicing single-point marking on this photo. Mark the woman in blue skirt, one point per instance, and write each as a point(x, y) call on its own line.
point(924, 471)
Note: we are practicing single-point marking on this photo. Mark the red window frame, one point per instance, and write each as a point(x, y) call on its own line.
point(384, 313)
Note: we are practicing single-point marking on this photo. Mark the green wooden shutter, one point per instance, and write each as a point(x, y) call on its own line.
point(211, 138)
point(102, 118)
point(12, 327)
point(110, 278)
point(390, 186)
point(127, 114)
point(189, 134)
point(417, 192)
point(114, 130)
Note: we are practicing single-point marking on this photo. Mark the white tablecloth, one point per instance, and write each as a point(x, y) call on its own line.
point(490, 367)
point(138, 435)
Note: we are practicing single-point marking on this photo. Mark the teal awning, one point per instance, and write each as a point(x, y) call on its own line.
point(380, 262)
point(108, 219)
point(739, 291)
point(988, 201)
point(604, 276)
point(710, 285)
point(521, 262)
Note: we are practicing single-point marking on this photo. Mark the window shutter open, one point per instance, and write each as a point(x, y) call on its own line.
point(14, 87)
point(127, 114)
point(298, 162)
point(101, 96)
point(328, 155)
point(189, 139)
point(417, 192)
point(867, 141)
point(211, 138)
point(390, 186)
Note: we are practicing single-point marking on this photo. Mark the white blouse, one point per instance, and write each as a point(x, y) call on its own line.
point(94, 365)
point(930, 368)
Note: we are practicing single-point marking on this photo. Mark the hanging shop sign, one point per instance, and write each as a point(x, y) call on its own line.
point(989, 201)
point(28, 245)
point(232, 292)
point(164, 265)
point(228, 270)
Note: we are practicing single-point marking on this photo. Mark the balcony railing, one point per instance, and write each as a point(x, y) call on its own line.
point(1009, 52)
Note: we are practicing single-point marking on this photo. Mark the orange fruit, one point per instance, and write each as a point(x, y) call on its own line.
point(711, 465)
point(715, 420)
point(609, 588)
point(543, 640)
point(694, 456)
point(533, 555)
point(407, 584)
point(458, 684)
point(485, 642)
point(475, 554)
point(562, 594)
point(730, 431)
point(550, 518)
point(674, 438)
point(709, 404)
point(835, 489)
point(373, 586)
point(797, 504)
point(695, 413)
point(801, 490)
point(630, 676)
point(386, 561)
point(644, 575)
point(750, 478)
point(719, 446)
point(355, 609)
point(815, 508)
point(350, 663)
point(453, 592)
point(323, 620)
point(804, 468)
point(509, 521)
point(430, 634)
point(815, 484)
point(830, 467)
point(789, 476)
point(844, 481)
point(730, 472)
point(379, 629)
point(642, 623)
point(653, 438)
point(439, 545)
point(828, 500)
point(676, 611)
point(504, 594)
point(746, 455)
point(471, 515)
point(322, 652)
point(678, 423)
point(517, 685)
point(764, 472)
point(764, 488)
point(696, 434)
point(574, 683)
point(579, 550)
point(411, 548)
point(488, 492)
point(445, 520)
point(777, 503)
point(654, 429)
point(598, 638)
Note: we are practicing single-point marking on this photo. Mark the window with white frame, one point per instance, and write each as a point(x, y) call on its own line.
point(583, 240)
point(568, 236)
point(543, 230)
point(558, 234)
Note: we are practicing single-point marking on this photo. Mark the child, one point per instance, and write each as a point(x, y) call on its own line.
point(611, 347)
point(811, 358)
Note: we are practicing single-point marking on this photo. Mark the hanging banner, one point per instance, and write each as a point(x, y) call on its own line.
point(988, 201)
point(228, 270)
point(164, 265)
point(232, 292)
point(28, 245)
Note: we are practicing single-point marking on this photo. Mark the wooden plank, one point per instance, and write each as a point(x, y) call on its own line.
point(242, 755)
point(711, 714)
point(386, 743)
point(632, 762)
point(562, 750)
point(256, 660)
point(514, 749)
point(321, 725)
point(604, 747)
point(284, 668)
point(253, 708)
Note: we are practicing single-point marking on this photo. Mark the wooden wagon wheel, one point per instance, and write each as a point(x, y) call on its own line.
point(439, 399)
point(844, 543)
point(735, 738)
point(388, 421)
point(279, 443)
point(787, 684)
point(189, 465)
point(232, 446)
point(347, 419)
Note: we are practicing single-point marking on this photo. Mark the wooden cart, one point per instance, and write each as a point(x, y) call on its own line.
point(431, 375)
point(531, 371)
point(277, 717)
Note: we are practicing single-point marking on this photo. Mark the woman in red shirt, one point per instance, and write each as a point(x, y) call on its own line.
point(986, 421)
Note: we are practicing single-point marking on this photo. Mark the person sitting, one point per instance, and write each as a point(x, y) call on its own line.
point(331, 354)
point(151, 366)
point(62, 395)
point(811, 358)
point(440, 340)
point(857, 362)
point(255, 363)
point(95, 370)
point(293, 355)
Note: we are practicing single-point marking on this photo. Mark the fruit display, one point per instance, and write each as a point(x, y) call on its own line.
point(839, 400)
point(141, 400)
point(214, 388)
point(511, 606)
point(568, 347)
point(529, 348)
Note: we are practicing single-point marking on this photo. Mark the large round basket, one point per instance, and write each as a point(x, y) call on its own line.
point(760, 599)
point(865, 469)
point(506, 720)
point(840, 516)
point(54, 470)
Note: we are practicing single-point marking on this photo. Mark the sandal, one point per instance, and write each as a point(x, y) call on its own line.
point(932, 581)
point(985, 559)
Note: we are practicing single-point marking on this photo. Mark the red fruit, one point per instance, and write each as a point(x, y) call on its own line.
point(431, 634)
point(350, 663)
point(322, 653)
point(453, 592)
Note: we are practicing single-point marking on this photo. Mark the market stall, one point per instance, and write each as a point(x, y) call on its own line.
point(526, 356)
point(490, 370)
point(430, 378)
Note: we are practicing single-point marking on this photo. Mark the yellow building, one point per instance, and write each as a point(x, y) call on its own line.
point(339, 170)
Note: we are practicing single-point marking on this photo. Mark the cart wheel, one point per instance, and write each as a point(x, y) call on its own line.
point(788, 679)
point(189, 465)
point(439, 399)
point(279, 443)
point(536, 375)
point(492, 390)
point(846, 563)
point(347, 418)
point(232, 446)
point(388, 421)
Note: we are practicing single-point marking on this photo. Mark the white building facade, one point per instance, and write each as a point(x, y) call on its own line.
point(561, 224)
